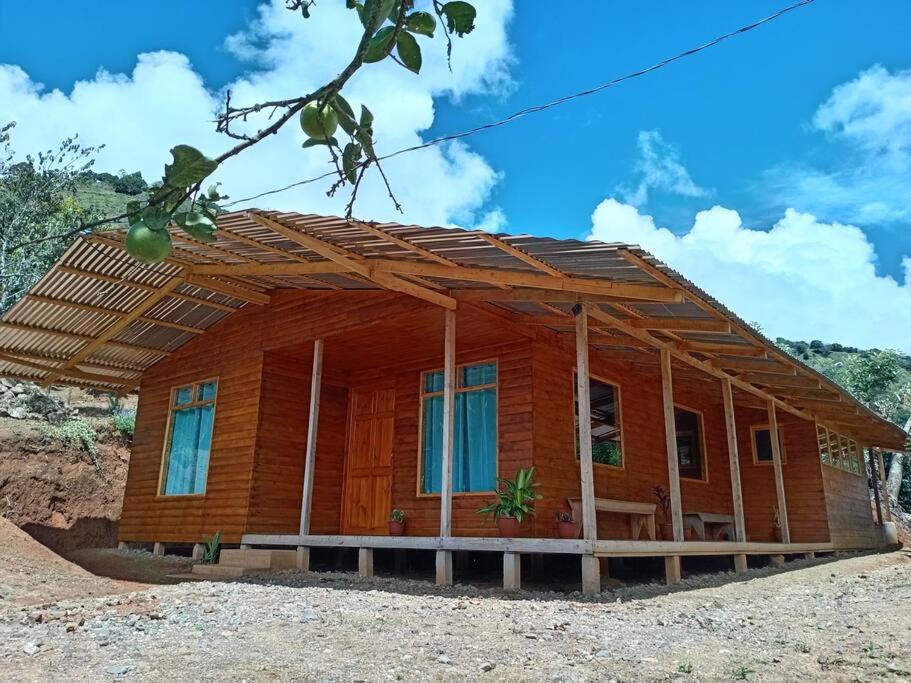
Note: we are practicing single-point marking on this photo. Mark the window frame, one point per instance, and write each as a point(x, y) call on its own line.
point(424, 394)
point(616, 386)
point(781, 444)
point(703, 449)
point(852, 453)
point(166, 448)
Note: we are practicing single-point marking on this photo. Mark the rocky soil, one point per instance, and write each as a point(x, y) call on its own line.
point(838, 620)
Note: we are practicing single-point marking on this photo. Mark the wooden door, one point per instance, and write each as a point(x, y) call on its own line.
point(367, 495)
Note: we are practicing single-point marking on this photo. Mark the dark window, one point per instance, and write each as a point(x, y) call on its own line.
point(605, 408)
point(762, 444)
point(689, 443)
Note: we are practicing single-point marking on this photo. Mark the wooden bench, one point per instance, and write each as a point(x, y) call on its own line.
point(640, 514)
point(717, 524)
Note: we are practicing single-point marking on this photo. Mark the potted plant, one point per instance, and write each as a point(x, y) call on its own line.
point(397, 522)
point(776, 524)
point(514, 501)
point(666, 528)
point(566, 525)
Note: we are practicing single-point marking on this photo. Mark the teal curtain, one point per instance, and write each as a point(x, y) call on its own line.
point(191, 441)
point(475, 437)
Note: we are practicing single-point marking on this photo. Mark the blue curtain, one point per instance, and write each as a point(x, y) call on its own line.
point(188, 459)
point(475, 437)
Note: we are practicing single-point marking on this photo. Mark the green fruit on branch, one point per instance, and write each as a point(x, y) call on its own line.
point(318, 125)
point(146, 245)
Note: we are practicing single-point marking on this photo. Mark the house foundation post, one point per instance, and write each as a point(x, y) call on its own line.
point(123, 545)
point(199, 551)
point(740, 564)
point(444, 567)
point(158, 549)
point(365, 562)
point(302, 559)
point(672, 573)
point(776, 560)
point(512, 571)
point(591, 575)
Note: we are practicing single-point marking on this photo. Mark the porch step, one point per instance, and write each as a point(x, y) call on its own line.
point(219, 571)
point(258, 559)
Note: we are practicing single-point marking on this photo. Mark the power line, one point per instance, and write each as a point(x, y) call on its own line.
point(542, 107)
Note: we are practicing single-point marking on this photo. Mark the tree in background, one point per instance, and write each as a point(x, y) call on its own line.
point(37, 206)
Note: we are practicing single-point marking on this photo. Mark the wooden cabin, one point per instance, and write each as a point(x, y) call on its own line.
point(302, 376)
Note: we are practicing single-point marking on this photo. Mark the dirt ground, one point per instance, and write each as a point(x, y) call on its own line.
point(841, 619)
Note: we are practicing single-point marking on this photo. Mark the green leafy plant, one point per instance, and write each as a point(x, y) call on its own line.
point(741, 673)
point(124, 422)
point(397, 515)
point(684, 668)
point(212, 546)
point(76, 434)
point(515, 498)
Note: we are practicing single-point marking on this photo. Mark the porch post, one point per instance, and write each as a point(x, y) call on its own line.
point(444, 557)
point(740, 534)
point(591, 567)
point(671, 562)
point(874, 476)
point(779, 477)
point(316, 378)
point(883, 480)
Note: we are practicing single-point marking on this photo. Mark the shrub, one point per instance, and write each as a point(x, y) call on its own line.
point(124, 422)
point(76, 434)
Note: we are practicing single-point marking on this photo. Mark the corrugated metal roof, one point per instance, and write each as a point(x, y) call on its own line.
point(99, 318)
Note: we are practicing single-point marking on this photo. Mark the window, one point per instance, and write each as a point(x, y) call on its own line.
point(605, 410)
point(762, 444)
point(189, 441)
point(474, 462)
point(689, 443)
point(840, 451)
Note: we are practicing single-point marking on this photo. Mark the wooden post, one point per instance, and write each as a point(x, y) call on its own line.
point(302, 558)
point(740, 564)
point(740, 534)
point(591, 567)
point(312, 426)
point(444, 557)
point(512, 571)
point(776, 560)
point(883, 480)
point(158, 549)
point(779, 476)
point(672, 573)
point(199, 550)
point(365, 562)
point(123, 545)
point(670, 432)
point(874, 476)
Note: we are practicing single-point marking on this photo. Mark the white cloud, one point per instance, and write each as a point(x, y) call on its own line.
point(659, 168)
point(801, 279)
point(165, 102)
point(869, 120)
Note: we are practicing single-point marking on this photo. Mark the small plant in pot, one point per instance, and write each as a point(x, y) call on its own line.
point(663, 498)
point(566, 525)
point(515, 499)
point(776, 525)
point(397, 522)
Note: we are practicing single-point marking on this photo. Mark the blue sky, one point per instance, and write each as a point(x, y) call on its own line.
point(740, 126)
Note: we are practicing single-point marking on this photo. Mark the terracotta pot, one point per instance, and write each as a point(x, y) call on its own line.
point(567, 529)
point(776, 532)
point(508, 526)
point(396, 528)
point(666, 531)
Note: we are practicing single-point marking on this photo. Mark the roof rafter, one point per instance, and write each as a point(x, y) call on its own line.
point(71, 372)
point(521, 255)
point(113, 312)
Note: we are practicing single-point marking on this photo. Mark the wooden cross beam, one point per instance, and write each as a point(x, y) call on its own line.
point(72, 372)
point(113, 312)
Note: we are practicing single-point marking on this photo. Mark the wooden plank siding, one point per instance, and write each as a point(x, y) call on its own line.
point(262, 357)
point(850, 516)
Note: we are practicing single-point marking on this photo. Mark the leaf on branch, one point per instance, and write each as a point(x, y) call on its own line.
point(345, 114)
point(380, 45)
point(422, 23)
point(313, 142)
point(189, 167)
point(197, 225)
point(133, 210)
point(377, 10)
point(460, 17)
point(409, 51)
point(350, 159)
point(156, 217)
point(366, 117)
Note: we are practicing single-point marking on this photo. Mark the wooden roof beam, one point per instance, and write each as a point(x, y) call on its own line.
point(776, 380)
point(520, 254)
point(754, 364)
point(403, 243)
point(80, 337)
point(113, 312)
point(228, 289)
point(713, 347)
point(683, 324)
point(114, 329)
point(72, 372)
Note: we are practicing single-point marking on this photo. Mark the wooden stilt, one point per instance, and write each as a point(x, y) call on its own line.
point(123, 545)
point(740, 564)
point(670, 432)
point(365, 562)
point(779, 475)
point(316, 378)
point(776, 560)
point(158, 549)
point(734, 460)
point(591, 575)
point(809, 556)
point(199, 551)
point(512, 571)
point(245, 546)
point(583, 391)
point(672, 572)
point(444, 567)
point(303, 558)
